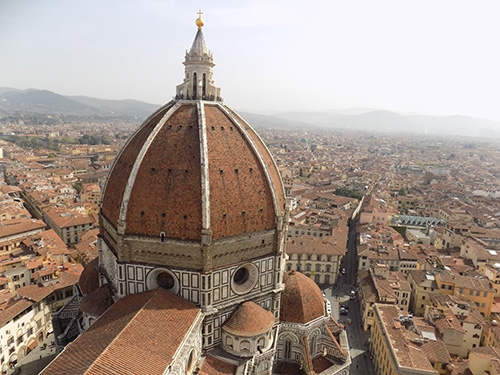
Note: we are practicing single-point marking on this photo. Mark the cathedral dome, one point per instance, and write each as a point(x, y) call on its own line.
point(193, 173)
point(193, 166)
point(302, 300)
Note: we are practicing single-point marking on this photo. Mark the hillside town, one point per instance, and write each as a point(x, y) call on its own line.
point(425, 213)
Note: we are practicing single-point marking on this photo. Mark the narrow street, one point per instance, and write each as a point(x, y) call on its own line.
point(340, 295)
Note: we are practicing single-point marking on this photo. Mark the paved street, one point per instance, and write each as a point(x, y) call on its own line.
point(339, 295)
point(36, 360)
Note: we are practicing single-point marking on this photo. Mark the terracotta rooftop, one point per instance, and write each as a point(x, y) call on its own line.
point(215, 366)
point(13, 309)
point(436, 351)
point(19, 226)
point(312, 245)
point(98, 301)
point(459, 366)
point(63, 219)
point(38, 292)
point(407, 355)
point(146, 325)
point(476, 283)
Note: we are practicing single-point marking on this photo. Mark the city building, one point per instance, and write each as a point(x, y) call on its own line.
point(399, 347)
point(459, 325)
point(317, 258)
point(378, 285)
point(422, 284)
point(484, 360)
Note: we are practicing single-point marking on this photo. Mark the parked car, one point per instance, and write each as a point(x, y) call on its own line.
point(342, 271)
point(344, 311)
point(352, 295)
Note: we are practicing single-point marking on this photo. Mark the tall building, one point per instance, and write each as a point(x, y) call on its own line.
point(190, 277)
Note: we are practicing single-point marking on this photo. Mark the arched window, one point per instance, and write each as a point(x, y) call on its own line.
point(313, 346)
point(245, 346)
point(195, 80)
point(288, 349)
point(204, 84)
point(261, 343)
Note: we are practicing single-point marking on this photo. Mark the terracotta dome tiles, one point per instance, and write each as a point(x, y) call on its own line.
point(115, 186)
point(167, 196)
point(89, 278)
point(302, 300)
point(249, 320)
point(240, 197)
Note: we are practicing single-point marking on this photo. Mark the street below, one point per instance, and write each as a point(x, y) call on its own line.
point(341, 294)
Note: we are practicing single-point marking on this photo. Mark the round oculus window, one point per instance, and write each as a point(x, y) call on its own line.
point(244, 278)
point(162, 278)
point(165, 280)
point(190, 363)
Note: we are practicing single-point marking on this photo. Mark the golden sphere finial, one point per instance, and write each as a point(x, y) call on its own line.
point(199, 21)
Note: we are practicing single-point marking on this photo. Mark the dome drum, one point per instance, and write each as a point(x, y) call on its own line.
point(190, 254)
point(248, 330)
point(246, 347)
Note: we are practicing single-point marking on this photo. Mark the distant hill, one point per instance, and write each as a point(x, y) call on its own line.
point(45, 107)
point(387, 121)
point(126, 107)
point(265, 121)
point(48, 102)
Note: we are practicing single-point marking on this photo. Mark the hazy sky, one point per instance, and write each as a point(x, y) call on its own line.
point(426, 56)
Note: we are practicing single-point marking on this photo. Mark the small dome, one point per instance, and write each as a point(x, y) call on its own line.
point(97, 302)
point(302, 300)
point(89, 279)
point(249, 320)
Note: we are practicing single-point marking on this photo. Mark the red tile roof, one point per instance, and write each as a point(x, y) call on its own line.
point(20, 226)
point(148, 325)
point(215, 366)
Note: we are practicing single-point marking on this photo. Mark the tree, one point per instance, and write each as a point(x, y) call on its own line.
point(78, 186)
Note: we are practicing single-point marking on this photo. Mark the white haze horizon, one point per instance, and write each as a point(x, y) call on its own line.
point(427, 57)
